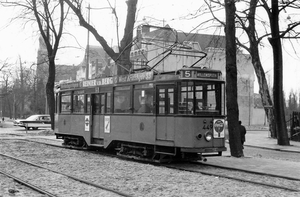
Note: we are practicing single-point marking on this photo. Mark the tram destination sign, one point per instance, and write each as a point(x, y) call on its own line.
point(208, 74)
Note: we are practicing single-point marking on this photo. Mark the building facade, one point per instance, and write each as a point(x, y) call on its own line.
point(98, 62)
point(167, 50)
point(163, 49)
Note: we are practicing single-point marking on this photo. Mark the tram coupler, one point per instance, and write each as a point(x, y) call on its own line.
point(202, 158)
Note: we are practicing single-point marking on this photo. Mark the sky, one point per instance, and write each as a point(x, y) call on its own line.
point(18, 40)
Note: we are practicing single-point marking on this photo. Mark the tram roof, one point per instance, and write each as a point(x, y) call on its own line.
point(182, 74)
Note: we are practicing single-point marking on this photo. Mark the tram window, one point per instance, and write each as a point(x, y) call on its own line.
point(108, 102)
point(186, 98)
point(78, 103)
point(161, 101)
point(166, 101)
point(102, 104)
point(121, 101)
point(171, 100)
point(207, 98)
point(88, 103)
point(199, 98)
point(143, 100)
point(66, 103)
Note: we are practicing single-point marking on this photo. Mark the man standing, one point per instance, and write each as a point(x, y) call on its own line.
point(242, 133)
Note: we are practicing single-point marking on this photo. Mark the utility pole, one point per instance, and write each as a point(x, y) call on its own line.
point(87, 71)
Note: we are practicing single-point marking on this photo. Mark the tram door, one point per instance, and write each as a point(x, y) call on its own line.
point(96, 116)
point(165, 110)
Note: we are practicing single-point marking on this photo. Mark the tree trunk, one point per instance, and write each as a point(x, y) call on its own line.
point(282, 138)
point(260, 74)
point(264, 92)
point(122, 59)
point(126, 42)
point(50, 90)
point(231, 80)
point(263, 89)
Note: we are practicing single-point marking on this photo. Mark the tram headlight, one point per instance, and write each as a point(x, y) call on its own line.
point(199, 136)
point(208, 136)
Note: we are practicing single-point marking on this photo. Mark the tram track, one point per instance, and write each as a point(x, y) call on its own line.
point(236, 174)
point(247, 176)
point(256, 178)
point(29, 185)
point(40, 174)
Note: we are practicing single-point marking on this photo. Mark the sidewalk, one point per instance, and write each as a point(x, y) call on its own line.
point(261, 139)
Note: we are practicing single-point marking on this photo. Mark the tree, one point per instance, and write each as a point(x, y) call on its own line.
point(231, 80)
point(246, 20)
point(3, 90)
point(292, 104)
point(44, 13)
point(278, 79)
point(17, 90)
point(248, 26)
point(121, 58)
point(3, 64)
point(275, 40)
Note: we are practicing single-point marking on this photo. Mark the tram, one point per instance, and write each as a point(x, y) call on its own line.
point(160, 117)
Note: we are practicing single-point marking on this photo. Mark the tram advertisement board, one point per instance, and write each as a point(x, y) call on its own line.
point(219, 128)
point(106, 124)
point(144, 76)
point(136, 77)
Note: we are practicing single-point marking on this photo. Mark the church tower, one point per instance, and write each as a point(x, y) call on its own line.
point(42, 61)
point(40, 104)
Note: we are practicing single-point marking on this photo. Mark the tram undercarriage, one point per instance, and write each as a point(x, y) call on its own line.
point(153, 153)
point(74, 141)
point(137, 151)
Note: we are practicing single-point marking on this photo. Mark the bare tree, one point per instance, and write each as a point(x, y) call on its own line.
point(49, 16)
point(231, 80)
point(121, 58)
point(275, 40)
point(4, 64)
point(246, 20)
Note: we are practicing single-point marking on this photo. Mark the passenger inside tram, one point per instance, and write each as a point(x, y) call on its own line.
point(121, 104)
point(145, 104)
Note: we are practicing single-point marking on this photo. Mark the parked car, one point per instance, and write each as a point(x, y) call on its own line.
point(17, 122)
point(36, 121)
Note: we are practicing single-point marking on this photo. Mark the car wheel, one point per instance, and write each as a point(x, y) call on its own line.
point(34, 128)
point(27, 128)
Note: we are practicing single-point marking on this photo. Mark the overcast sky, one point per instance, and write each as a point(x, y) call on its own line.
point(19, 40)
